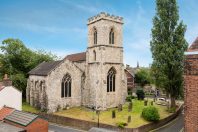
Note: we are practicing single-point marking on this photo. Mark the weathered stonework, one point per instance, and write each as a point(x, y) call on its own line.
point(89, 76)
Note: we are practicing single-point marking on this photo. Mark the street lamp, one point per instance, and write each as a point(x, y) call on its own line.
point(98, 113)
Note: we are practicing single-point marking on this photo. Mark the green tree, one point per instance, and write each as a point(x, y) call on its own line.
point(143, 77)
point(168, 46)
point(17, 60)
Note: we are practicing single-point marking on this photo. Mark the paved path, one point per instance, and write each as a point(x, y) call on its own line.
point(59, 128)
point(174, 126)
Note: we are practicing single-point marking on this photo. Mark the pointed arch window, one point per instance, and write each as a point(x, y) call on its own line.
point(66, 86)
point(95, 36)
point(111, 80)
point(111, 37)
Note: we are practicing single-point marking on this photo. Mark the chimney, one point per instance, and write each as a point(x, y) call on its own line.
point(7, 81)
point(127, 66)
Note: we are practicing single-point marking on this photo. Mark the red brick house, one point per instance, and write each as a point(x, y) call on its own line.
point(130, 78)
point(191, 89)
point(26, 121)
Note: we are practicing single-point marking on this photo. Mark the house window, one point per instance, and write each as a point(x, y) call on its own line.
point(66, 86)
point(111, 80)
point(111, 37)
point(95, 36)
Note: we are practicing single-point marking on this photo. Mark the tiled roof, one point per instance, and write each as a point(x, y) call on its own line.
point(5, 111)
point(22, 118)
point(194, 46)
point(77, 57)
point(44, 68)
point(4, 127)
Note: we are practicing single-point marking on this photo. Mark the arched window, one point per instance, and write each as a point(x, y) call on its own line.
point(111, 80)
point(95, 36)
point(94, 55)
point(66, 86)
point(111, 37)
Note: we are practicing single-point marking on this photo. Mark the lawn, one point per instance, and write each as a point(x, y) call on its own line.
point(105, 116)
point(26, 107)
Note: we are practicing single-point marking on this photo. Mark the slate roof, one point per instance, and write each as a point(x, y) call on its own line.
point(194, 46)
point(4, 127)
point(77, 57)
point(44, 68)
point(5, 111)
point(22, 118)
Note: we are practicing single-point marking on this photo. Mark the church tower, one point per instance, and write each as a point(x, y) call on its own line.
point(105, 77)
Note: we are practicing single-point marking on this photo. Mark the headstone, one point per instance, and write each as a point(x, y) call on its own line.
point(120, 107)
point(151, 102)
point(145, 102)
point(130, 107)
point(129, 119)
point(113, 114)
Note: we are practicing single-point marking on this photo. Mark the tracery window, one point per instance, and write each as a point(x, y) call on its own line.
point(66, 86)
point(111, 80)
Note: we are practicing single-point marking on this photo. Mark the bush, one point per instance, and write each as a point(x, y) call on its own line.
point(121, 124)
point(172, 110)
point(129, 98)
point(140, 94)
point(150, 114)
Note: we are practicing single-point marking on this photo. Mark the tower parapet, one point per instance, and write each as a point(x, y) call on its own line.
point(105, 16)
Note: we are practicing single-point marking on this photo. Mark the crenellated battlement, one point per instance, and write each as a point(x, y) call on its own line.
point(105, 16)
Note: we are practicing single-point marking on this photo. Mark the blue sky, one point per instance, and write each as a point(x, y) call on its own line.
point(60, 26)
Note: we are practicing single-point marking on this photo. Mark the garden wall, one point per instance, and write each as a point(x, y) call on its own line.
point(86, 125)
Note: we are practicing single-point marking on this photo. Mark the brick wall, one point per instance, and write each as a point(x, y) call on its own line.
point(38, 125)
point(191, 93)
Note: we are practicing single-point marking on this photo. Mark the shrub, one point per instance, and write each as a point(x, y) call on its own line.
point(121, 124)
point(129, 98)
point(150, 114)
point(140, 94)
point(172, 110)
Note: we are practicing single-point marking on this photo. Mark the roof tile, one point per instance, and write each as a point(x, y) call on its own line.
point(77, 57)
point(194, 46)
point(5, 111)
point(44, 68)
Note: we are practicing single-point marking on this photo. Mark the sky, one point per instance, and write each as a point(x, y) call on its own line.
point(60, 26)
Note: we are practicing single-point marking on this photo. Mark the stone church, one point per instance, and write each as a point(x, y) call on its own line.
point(95, 78)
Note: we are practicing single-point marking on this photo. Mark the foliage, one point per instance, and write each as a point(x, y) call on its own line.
point(121, 124)
point(150, 113)
point(140, 94)
point(129, 98)
point(26, 107)
point(168, 46)
point(143, 76)
point(172, 110)
point(16, 60)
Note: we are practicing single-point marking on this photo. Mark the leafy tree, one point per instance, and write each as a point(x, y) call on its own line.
point(17, 60)
point(143, 77)
point(167, 46)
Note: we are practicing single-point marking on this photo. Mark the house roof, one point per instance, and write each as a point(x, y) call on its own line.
point(5, 111)
point(77, 57)
point(22, 118)
point(44, 68)
point(4, 127)
point(194, 46)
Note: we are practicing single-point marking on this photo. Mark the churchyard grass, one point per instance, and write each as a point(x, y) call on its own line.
point(122, 116)
point(26, 107)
